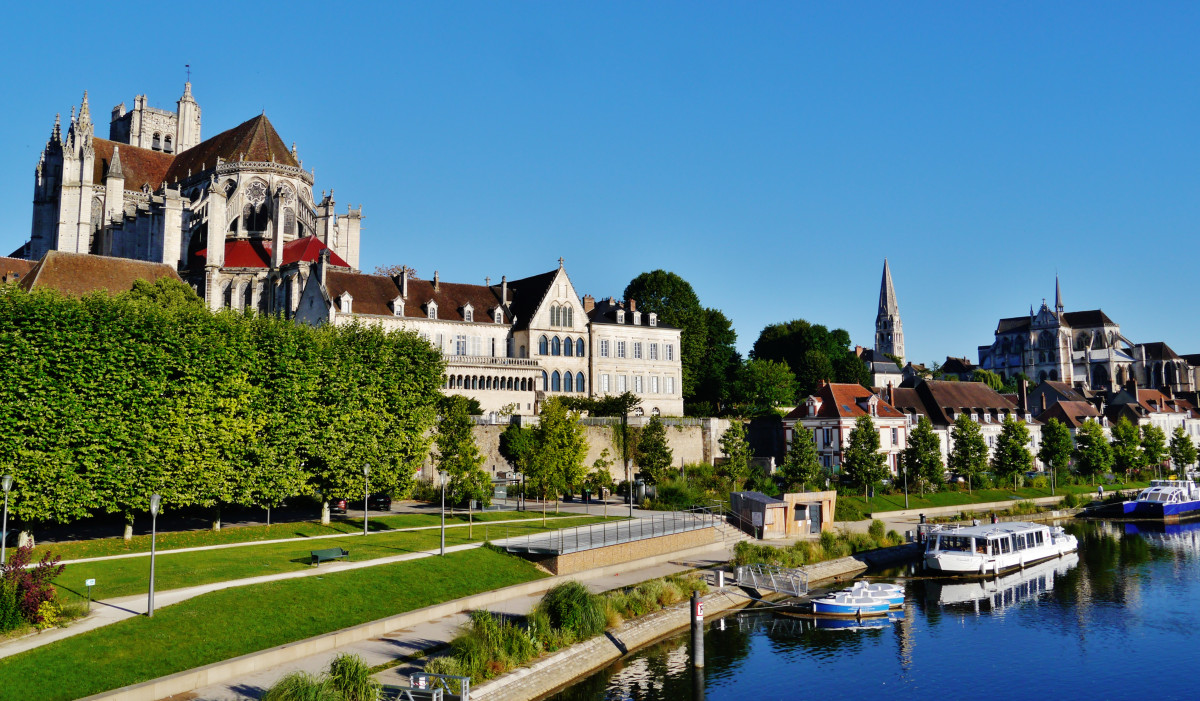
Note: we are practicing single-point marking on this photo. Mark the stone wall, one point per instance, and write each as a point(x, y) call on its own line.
point(626, 552)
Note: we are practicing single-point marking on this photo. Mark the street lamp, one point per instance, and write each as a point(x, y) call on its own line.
point(443, 476)
point(625, 453)
point(7, 484)
point(155, 501)
point(366, 494)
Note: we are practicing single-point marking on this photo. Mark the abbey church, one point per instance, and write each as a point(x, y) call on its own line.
point(234, 214)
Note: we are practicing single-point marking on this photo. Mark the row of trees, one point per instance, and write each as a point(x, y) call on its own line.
point(107, 400)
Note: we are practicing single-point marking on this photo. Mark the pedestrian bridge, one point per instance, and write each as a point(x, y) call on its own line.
point(573, 540)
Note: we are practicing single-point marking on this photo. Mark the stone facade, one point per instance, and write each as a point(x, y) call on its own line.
point(830, 415)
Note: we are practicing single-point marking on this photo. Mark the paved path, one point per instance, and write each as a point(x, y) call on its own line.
point(403, 645)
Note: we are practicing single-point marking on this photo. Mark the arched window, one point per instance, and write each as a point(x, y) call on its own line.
point(289, 222)
point(579, 348)
point(545, 381)
point(580, 386)
point(556, 382)
point(543, 346)
point(156, 144)
point(167, 145)
point(555, 346)
point(568, 382)
point(468, 314)
point(568, 347)
point(568, 314)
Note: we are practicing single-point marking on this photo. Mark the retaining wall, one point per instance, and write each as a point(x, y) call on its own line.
point(571, 563)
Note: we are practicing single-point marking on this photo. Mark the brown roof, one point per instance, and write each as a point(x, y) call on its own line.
point(78, 274)
point(1064, 390)
point(14, 268)
point(373, 294)
point(841, 401)
point(141, 166)
point(255, 139)
point(1073, 414)
point(940, 400)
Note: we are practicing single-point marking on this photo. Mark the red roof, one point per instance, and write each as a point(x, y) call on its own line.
point(256, 253)
point(140, 166)
point(842, 400)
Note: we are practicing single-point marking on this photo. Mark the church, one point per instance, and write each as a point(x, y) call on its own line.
point(234, 214)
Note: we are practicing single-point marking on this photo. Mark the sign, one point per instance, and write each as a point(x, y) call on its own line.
point(699, 608)
point(90, 583)
point(757, 519)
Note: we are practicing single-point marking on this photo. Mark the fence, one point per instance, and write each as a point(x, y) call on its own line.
point(582, 538)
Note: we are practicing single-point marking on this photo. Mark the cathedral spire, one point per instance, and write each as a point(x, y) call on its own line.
point(889, 332)
point(1058, 303)
point(887, 292)
point(56, 132)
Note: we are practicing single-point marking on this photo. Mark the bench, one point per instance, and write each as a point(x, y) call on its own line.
point(319, 556)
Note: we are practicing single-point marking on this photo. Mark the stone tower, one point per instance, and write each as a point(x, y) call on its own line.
point(889, 333)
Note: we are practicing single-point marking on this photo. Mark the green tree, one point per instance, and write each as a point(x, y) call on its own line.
point(801, 465)
point(1183, 450)
point(459, 457)
point(719, 367)
point(923, 456)
point(1154, 446)
point(517, 446)
point(1055, 451)
point(968, 451)
point(1012, 457)
point(989, 378)
point(1127, 453)
point(1093, 455)
point(600, 478)
point(561, 448)
point(813, 352)
point(737, 453)
point(814, 369)
point(676, 303)
point(767, 384)
point(654, 455)
point(862, 463)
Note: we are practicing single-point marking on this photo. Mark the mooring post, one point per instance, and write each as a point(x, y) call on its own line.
point(697, 631)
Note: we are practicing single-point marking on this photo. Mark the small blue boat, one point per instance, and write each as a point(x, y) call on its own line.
point(848, 604)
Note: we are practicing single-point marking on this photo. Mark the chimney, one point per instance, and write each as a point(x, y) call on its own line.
point(633, 305)
point(504, 290)
point(1023, 395)
point(436, 282)
point(889, 393)
point(1132, 386)
point(404, 282)
point(322, 265)
point(1043, 401)
point(589, 303)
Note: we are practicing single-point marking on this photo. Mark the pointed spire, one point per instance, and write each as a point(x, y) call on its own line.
point(114, 170)
point(187, 91)
point(887, 292)
point(56, 133)
point(1058, 303)
point(84, 111)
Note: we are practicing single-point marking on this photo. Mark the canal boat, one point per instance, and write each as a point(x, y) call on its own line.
point(1166, 500)
point(844, 603)
point(994, 548)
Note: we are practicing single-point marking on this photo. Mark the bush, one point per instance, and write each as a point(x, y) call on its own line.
point(351, 678)
point(29, 587)
point(426, 490)
point(1040, 482)
point(1070, 500)
point(302, 686)
point(10, 607)
point(876, 529)
point(571, 607)
point(845, 510)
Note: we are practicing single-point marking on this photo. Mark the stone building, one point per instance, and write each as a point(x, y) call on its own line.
point(830, 416)
point(234, 213)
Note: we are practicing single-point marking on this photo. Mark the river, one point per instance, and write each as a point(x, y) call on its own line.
point(1116, 621)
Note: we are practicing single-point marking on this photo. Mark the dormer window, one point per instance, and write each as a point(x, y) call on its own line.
point(637, 318)
point(620, 316)
point(498, 315)
point(468, 313)
point(398, 306)
point(346, 302)
point(431, 310)
point(653, 319)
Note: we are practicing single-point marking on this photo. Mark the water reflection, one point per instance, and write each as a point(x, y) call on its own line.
point(1086, 625)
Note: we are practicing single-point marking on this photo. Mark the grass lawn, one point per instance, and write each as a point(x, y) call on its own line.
point(100, 547)
point(895, 502)
point(129, 576)
point(234, 622)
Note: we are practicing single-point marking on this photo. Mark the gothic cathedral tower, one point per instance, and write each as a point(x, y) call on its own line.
point(889, 333)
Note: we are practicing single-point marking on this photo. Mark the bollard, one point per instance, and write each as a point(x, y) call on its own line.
point(720, 579)
point(697, 631)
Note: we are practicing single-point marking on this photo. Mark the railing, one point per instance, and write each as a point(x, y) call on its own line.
point(773, 578)
point(490, 361)
point(580, 538)
point(452, 685)
point(641, 421)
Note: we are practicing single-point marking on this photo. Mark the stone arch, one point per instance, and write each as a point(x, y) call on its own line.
point(1100, 377)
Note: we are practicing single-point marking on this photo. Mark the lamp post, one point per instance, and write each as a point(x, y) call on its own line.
point(7, 484)
point(366, 494)
point(443, 476)
point(625, 454)
point(155, 501)
point(904, 469)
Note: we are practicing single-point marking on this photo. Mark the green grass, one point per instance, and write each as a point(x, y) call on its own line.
point(895, 502)
point(233, 622)
point(129, 576)
point(100, 547)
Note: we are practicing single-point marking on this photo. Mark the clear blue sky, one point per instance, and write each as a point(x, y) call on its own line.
point(770, 153)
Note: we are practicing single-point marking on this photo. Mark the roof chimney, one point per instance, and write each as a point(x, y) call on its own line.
point(504, 290)
point(589, 303)
point(404, 282)
point(633, 305)
point(436, 282)
point(322, 265)
point(1043, 401)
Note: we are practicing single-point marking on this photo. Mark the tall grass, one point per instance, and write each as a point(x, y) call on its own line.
point(351, 677)
point(830, 546)
point(302, 686)
point(571, 607)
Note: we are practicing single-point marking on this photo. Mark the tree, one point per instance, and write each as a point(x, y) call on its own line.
point(1127, 453)
point(719, 366)
point(989, 378)
point(395, 269)
point(968, 451)
point(767, 384)
point(862, 463)
point(923, 456)
point(517, 446)
point(737, 453)
point(814, 369)
point(1055, 451)
point(561, 447)
point(676, 304)
point(459, 457)
point(1183, 450)
point(813, 352)
point(801, 465)
point(1154, 445)
point(654, 455)
point(600, 478)
point(1012, 457)
point(1093, 455)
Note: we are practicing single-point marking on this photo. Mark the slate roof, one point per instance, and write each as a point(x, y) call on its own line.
point(1072, 414)
point(140, 166)
point(1092, 317)
point(526, 295)
point(256, 253)
point(78, 274)
point(958, 366)
point(841, 401)
point(1064, 390)
point(255, 139)
point(373, 295)
point(1158, 350)
point(605, 312)
point(14, 268)
point(758, 498)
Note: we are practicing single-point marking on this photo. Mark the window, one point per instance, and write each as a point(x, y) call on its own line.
point(620, 349)
point(499, 316)
point(289, 222)
point(637, 350)
point(653, 385)
point(555, 346)
point(604, 348)
point(580, 386)
point(543, 346)
point(468, 314)
point(440, 344)
point(621, 384)
point(460, 344)
point(653, 319)
point(828, 437)
point(579, 347)
point(670, 382)
point(654, 351)
point(156, 144)
point(568, 347)
point(476, 345)
point(620, 316)
point(668, 351)
point(568, 382)
point(637, 384)
point(895, 436)
point(604, 384)
point(555, 382)
point(167, 146)
point(431, 310)
point(554, 316)
point(567, 314)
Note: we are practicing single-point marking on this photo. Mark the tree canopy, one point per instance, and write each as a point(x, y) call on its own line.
point(1055, 450)
point(1093, 455)
point(676, 304)
point(862, 463)
point(737, 452)
point(654, 455)
point(813, 353)
point(801, 465)
point(767, 384)
point(968, 451)
point(1127, 453)
point(1012, 457)
point(1183, 450)
point(923, 456)
point(1154, 445)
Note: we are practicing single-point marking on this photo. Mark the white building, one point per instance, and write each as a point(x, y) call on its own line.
point(831, 415)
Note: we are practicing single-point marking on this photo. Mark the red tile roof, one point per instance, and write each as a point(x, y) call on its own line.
point(14, 268)
point(78, 274)
point(841, 401)
point(256, 253)
point(1073, 414)
point(141, 166)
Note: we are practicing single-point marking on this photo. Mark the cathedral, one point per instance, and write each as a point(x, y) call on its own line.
point(234, 214)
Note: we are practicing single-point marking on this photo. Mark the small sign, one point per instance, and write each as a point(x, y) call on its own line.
point(90, 583)
point(757, 519)
point(699, 608)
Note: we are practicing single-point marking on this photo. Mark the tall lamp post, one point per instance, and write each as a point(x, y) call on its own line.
point(443, 476)
point(366, 494)
point(7, 484)
point(155, 501)
point(625, 454)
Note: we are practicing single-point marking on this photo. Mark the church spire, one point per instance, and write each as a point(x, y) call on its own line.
point(887, 292)
point(889, 332)
point(1058, 303)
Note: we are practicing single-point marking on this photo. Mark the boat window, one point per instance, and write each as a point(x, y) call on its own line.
point(981, 546)
point(955, 543)
point(1005, 545)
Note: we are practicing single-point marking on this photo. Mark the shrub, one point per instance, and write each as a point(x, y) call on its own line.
point(351, 678)
point(845, 510)
point(1070, 500)
point(445, 664)
point(1040, 482)
point(876, 529)
point(894, 538)
point(30, 585)
point(571, 607)
point(301, 686)
point(10, 606)
point(425, 490)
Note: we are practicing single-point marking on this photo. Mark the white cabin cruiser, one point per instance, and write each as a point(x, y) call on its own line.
point(994, 548)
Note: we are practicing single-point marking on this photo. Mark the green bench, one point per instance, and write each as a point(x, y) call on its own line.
point(319, 556)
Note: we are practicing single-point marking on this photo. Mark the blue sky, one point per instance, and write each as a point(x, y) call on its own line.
point(770, 153)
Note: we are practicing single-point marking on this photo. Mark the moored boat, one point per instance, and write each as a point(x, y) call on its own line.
point(994, 548)
point(892, 593)
point(846, 604)
point(1166, 500)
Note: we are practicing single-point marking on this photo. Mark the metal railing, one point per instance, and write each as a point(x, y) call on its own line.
point(580, 538)
point(773, 578)
point(450, 684)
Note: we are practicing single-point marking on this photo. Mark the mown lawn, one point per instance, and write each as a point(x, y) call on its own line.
point(233, 622)
point(895, 502)
point(100, 547)
point(131, 576)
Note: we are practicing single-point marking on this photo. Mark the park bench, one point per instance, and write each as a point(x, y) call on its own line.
point(319, 556)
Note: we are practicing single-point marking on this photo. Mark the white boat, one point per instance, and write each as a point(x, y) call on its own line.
point(892, 593)
point(994, 548)
point(846, 604)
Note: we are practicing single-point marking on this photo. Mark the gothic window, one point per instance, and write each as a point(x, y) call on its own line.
point(568, 382)
point(167, 144)
point(579, 347)
point(228, 296)
point(230, 186)
point(156, 143)
point(567, 314)
point(568, 347)
point(248, 296)
point(554, 315)
point(555, 382)
point(543, 346)
point(555, 346)
point(289, 222)
point(545, 381)
point(579, 384)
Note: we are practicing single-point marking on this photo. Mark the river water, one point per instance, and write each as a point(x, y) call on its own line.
point(1119, 620)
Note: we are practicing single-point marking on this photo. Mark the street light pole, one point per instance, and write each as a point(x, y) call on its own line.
point(366, 494)
point(443, 476)
point(625, 454)
point(7, 483)
point(155, 500)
